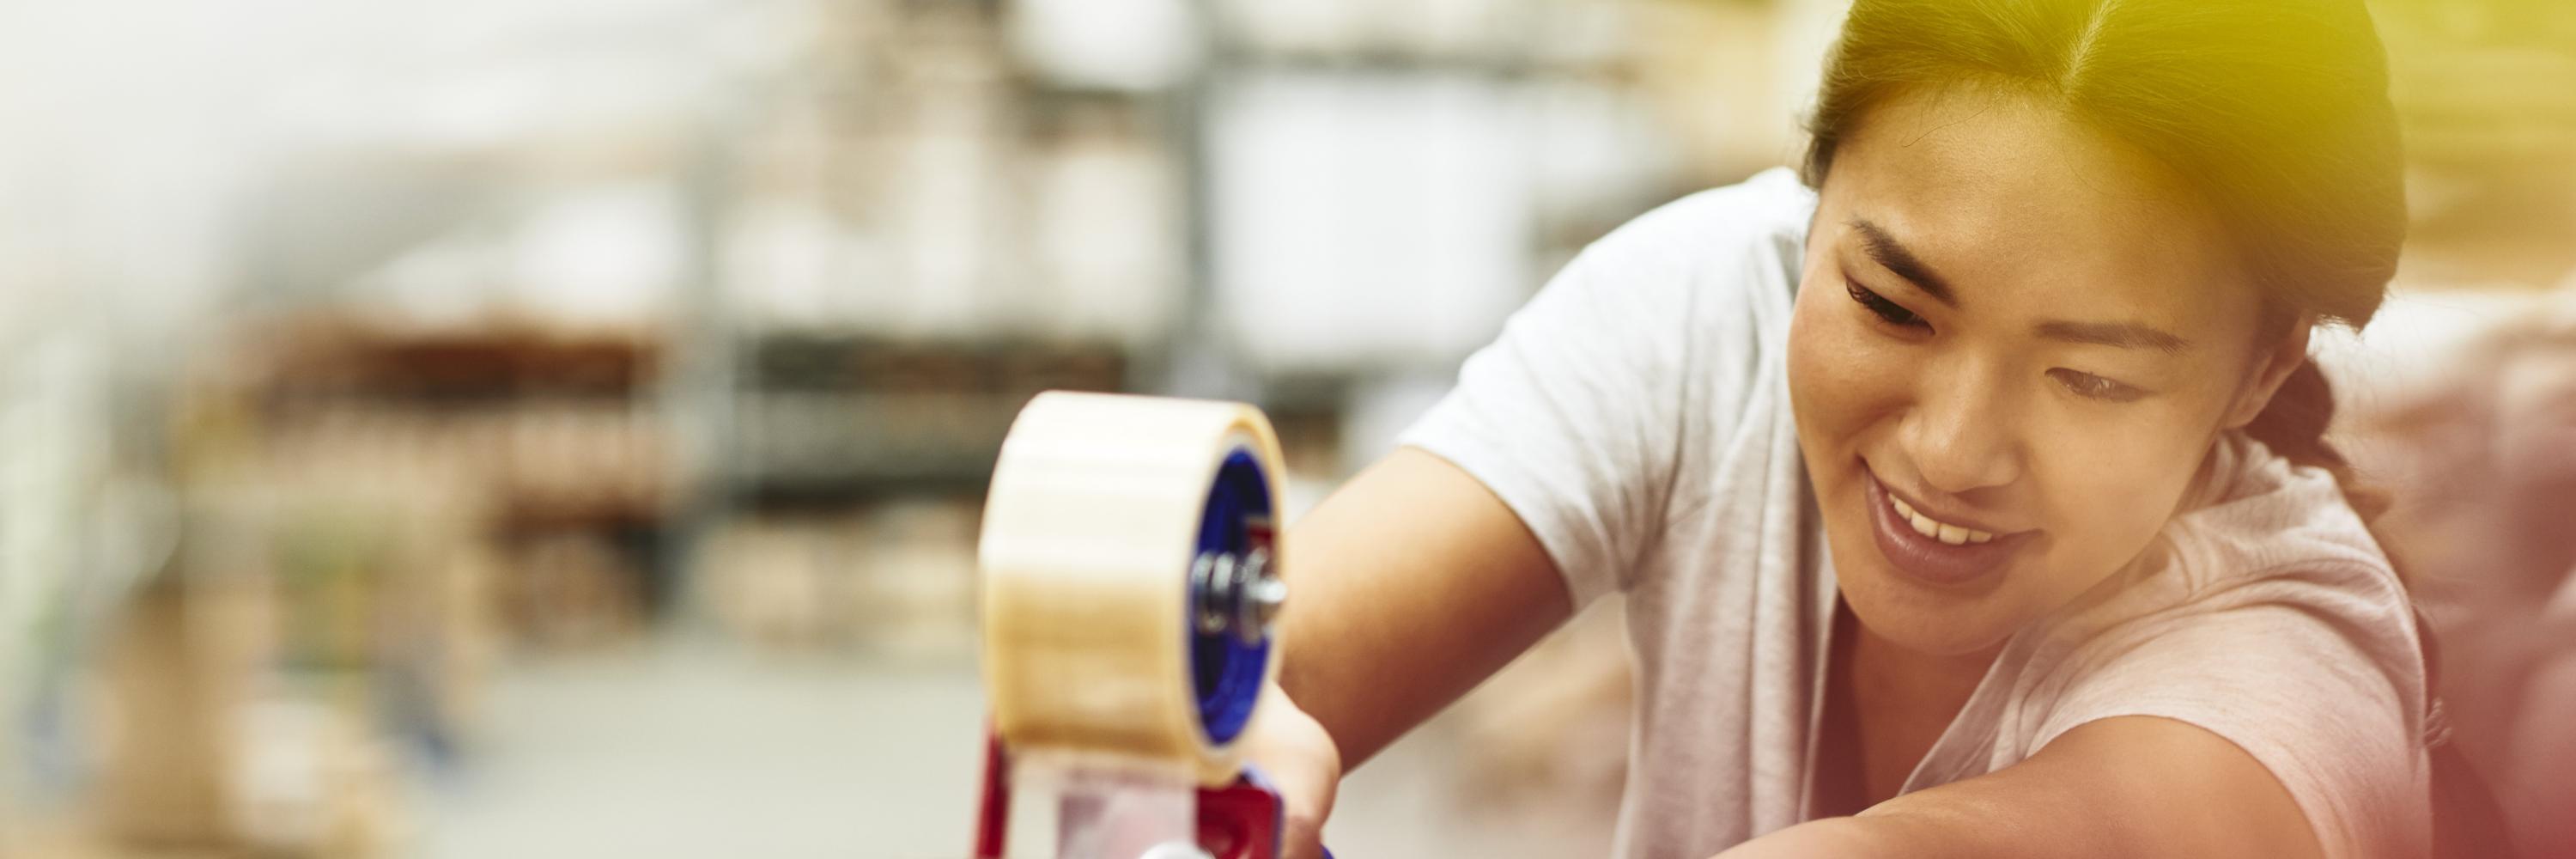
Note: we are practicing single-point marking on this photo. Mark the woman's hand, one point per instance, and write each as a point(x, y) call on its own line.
point(1293, 750)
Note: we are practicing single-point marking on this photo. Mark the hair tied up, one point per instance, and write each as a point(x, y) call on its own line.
point(2294, 426)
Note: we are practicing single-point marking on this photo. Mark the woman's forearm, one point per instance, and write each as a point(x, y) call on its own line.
point(2133, 786)
point(1408, 586)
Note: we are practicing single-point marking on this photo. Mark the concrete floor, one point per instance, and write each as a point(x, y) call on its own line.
point(700, 747)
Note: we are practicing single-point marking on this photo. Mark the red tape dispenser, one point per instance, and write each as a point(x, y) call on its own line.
point(1129, 575)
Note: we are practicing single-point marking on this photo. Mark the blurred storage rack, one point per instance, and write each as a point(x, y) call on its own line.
point(370, 517)
point(524, 333)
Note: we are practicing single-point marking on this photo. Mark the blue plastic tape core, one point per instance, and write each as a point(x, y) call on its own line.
point(1226, 671)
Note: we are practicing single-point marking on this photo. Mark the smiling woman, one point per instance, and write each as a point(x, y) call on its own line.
point(1972, 338)
point(1970, 496)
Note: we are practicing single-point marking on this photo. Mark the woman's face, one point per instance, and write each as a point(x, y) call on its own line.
point(2022, 334)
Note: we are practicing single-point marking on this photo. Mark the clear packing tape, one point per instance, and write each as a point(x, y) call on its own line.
point(1105, 686)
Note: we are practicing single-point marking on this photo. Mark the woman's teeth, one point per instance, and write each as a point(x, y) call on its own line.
point(1942, 531)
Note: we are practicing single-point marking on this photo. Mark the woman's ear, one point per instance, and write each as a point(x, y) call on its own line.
point(2278, 363)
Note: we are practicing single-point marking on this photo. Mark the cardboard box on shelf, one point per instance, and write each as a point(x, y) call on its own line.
point(353, 609)
point(312, 780)
point(786, 581)
point(917, 582)
point(891, 579)
point(572, 589)
point(178, 667)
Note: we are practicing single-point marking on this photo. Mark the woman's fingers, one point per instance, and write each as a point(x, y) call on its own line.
point(1299, 758)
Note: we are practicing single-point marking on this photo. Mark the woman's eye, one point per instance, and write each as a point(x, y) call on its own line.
point(2094, 387)
point(1889, 311)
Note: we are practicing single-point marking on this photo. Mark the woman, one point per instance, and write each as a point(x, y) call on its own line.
point(1968, 496)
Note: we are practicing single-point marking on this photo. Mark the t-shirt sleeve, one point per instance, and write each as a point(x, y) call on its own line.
point(1575, 415)
point(2307, 693)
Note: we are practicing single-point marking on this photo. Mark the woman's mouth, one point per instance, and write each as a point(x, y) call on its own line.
point(1931, 551)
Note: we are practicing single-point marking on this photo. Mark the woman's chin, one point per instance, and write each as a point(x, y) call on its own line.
point(1929, 623)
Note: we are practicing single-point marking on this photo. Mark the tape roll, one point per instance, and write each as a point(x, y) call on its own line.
point(1100, 506)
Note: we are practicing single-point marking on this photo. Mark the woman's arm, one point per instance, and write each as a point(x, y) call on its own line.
point(2135, 786)
point(1408, 586)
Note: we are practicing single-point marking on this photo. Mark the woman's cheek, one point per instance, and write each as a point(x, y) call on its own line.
point(1811, 349)
point(1840, 371)
point(2109, 492)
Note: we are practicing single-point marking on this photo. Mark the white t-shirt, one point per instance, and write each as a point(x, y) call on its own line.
point(1635, 415)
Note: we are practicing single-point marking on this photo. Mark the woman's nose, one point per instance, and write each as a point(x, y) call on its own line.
point(1962, 435)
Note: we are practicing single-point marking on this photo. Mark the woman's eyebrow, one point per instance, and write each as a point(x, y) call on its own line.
point(1889, 252)
point(2127, 335)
